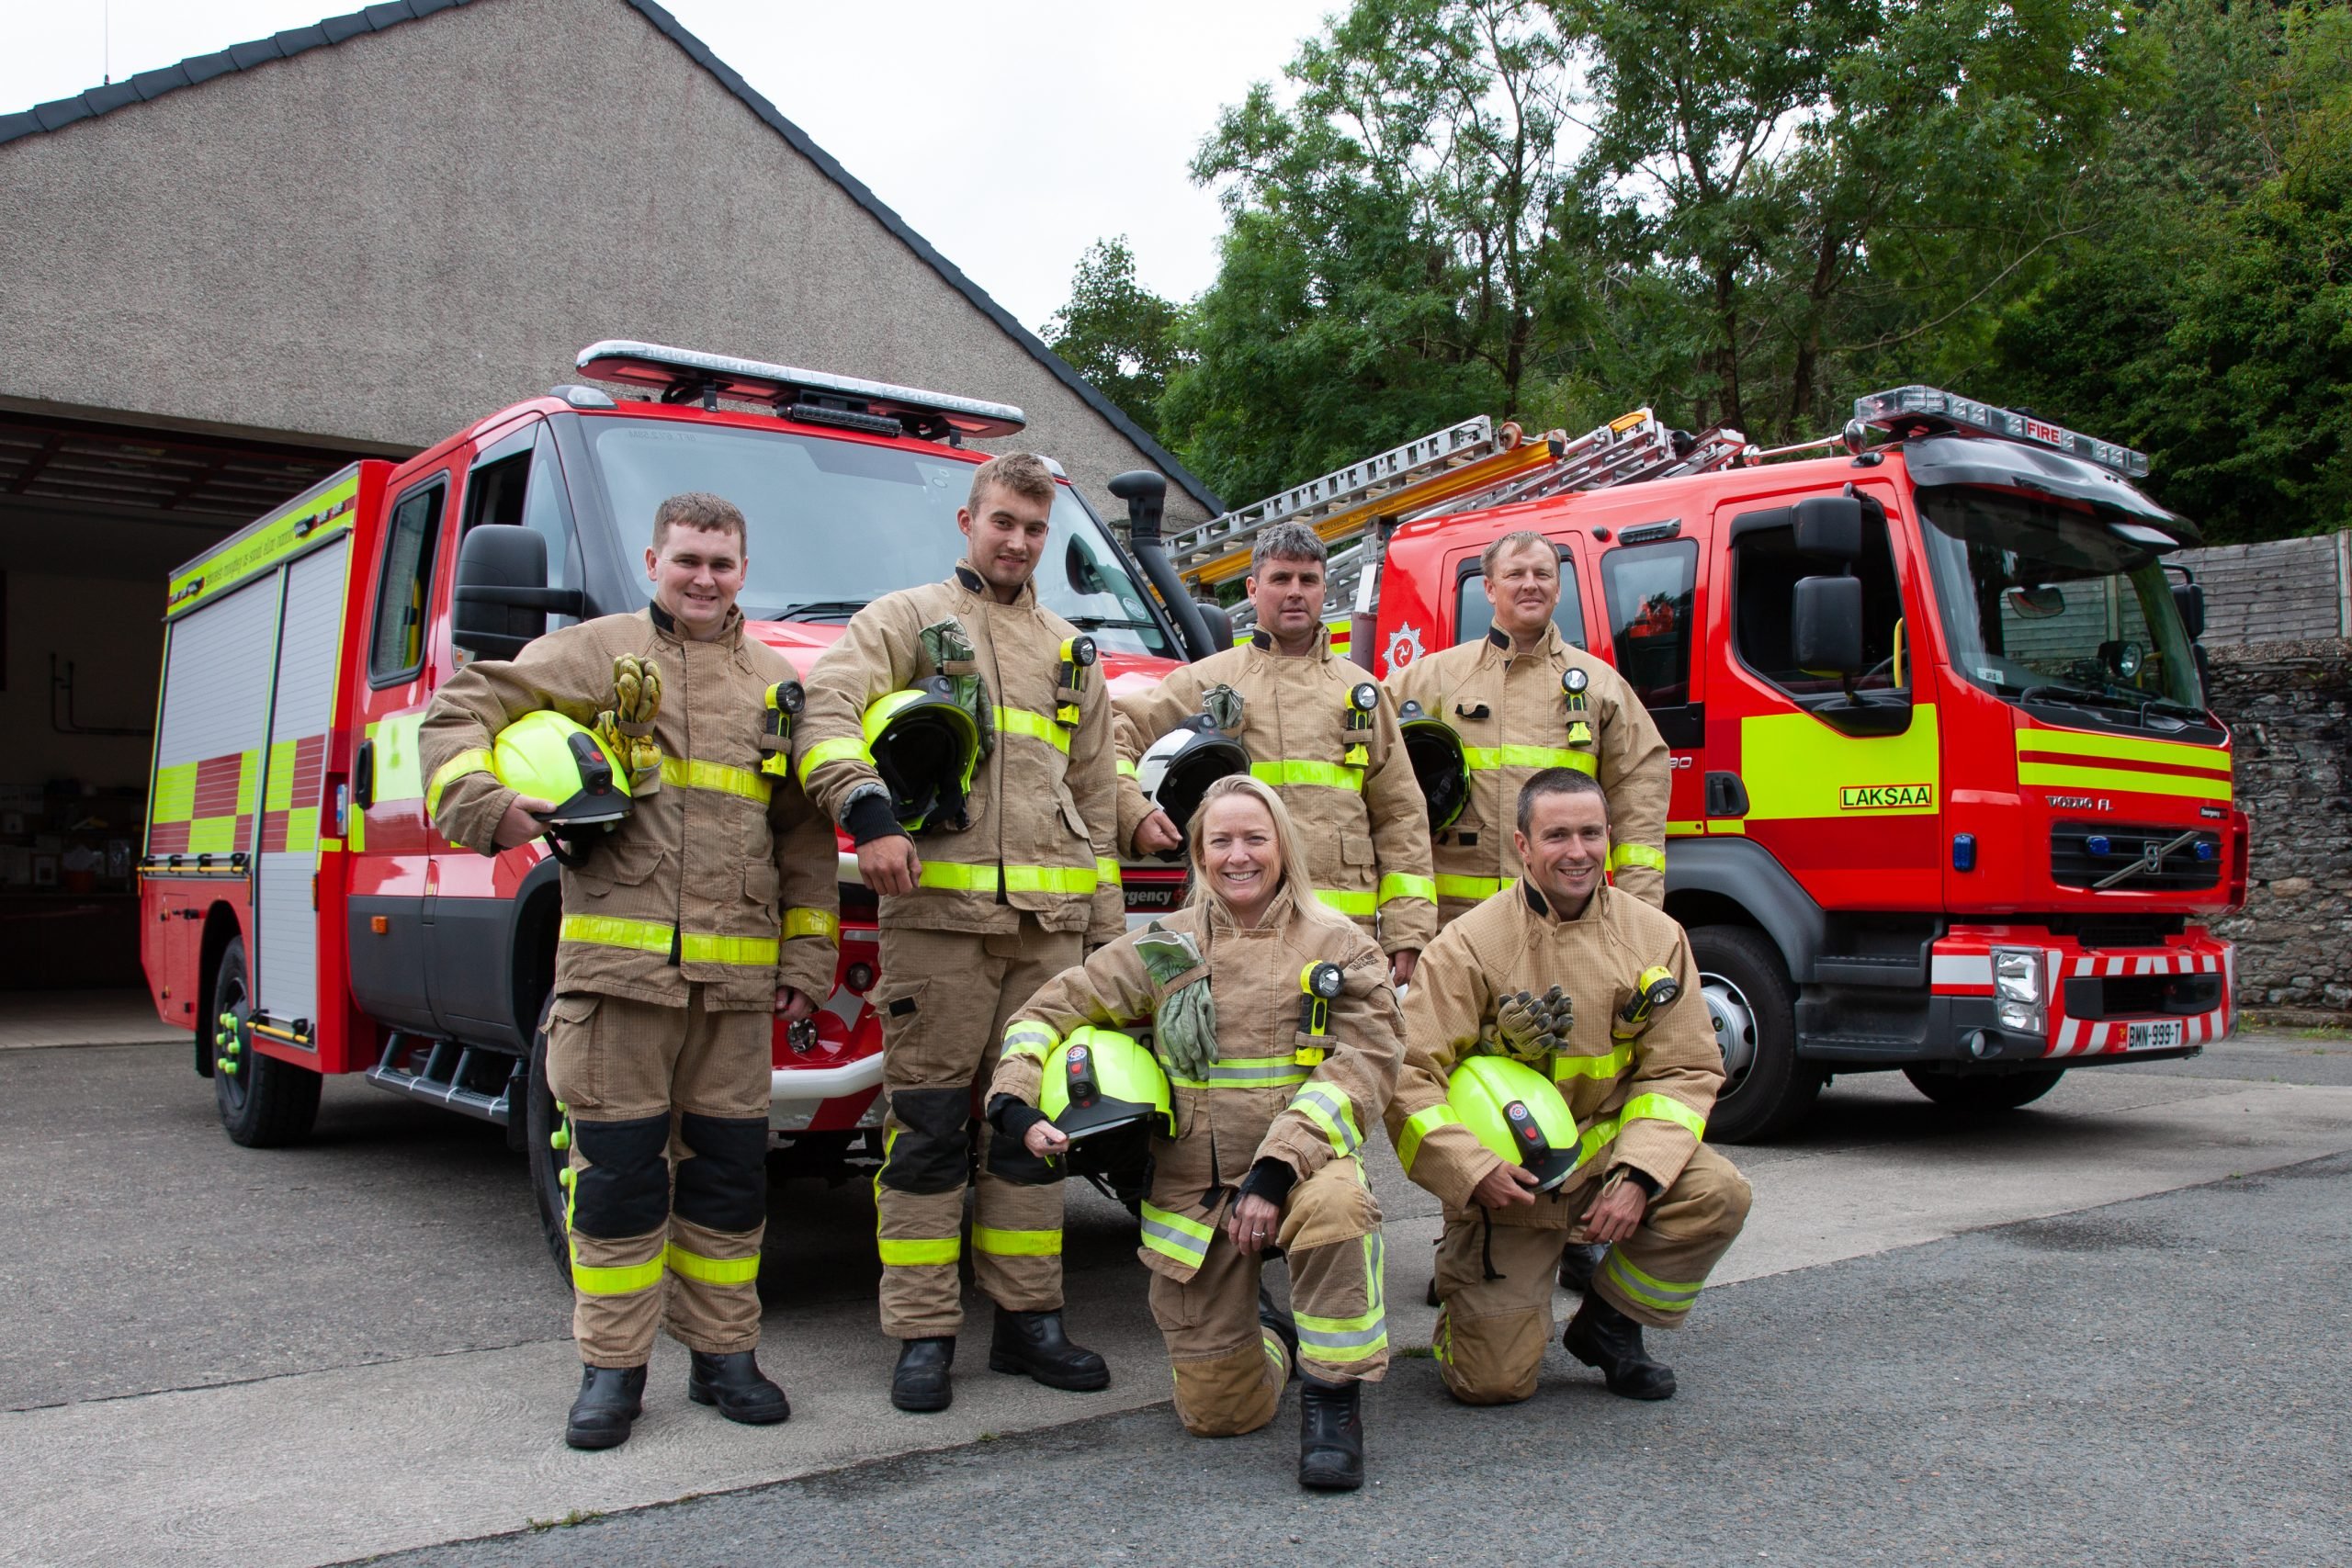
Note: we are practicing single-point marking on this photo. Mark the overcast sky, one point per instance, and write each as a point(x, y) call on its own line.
point(1098, 107)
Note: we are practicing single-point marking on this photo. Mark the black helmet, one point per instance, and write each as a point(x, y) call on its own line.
point(1439, 762)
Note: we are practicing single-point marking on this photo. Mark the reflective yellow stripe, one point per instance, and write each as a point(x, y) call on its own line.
point(2182, 786)
point(1662, 1107)
point(1395, 884)
point(174, 796)
point(621, 1281)
point(1624, 855)
point(752, 952)
point(1016, 1244)
point(1337, 1340)
point(1174, 1236)
point(813, 922)
point(846, 748)
point(1127, 768)
point(474, 762)
point(689, 773)
point(2122, 749)
point(1247, 1072)
point(963, 878)
point(1037, 727)
point(1357, 904)
point(1684, 829)
point(1665, 1295)
point(713, 1270)
point(1106, 874)
point(1330, 1112)
point(1419, 1125)
point(920, 1254)
point(1332, 775)
point(1034, 1041)
point(1482, 759)
point(1468, 887)
point(611, 931)
point(1565, 1067)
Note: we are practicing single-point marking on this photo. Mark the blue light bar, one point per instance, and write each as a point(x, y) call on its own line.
point(665, 369)
point(1926, 411)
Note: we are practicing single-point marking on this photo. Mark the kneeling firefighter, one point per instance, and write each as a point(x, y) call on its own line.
point(1279, 1029)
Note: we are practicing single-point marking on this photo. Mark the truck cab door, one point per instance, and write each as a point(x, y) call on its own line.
point(1651, 605)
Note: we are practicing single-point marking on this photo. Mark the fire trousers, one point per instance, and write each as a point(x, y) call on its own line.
point(666, 1109)
point(945, 997)
point(1495, 1280)
point(1229, 1369)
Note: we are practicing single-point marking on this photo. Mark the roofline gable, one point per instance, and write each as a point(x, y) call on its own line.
point(149, 84)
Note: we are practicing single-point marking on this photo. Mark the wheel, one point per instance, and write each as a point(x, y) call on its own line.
point(264, 1102)
point(1982, 1091)
point(1752, 1006)
point(541, 1124)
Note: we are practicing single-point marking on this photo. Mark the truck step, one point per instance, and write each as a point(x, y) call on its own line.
point(470, 1080)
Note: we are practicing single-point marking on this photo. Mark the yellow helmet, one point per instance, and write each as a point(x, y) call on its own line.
point(1099, 1080)
point(926, 745)
point(1517, 1112)
point(547, 756)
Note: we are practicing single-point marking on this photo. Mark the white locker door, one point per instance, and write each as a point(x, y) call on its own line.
point(216, 709)
point(309, 641)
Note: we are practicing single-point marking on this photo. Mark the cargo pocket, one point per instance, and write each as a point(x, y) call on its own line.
point(1071, 817)
point(904, 1029)
point(763, 887)
point(621, 860)
point(575, 1070)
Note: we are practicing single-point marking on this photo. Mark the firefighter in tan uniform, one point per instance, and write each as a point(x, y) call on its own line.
point(709, 906)
point(1523, 698)
point(1280, 1032)
point(1639, 1068)
point(1324, 734)
point(978, 910)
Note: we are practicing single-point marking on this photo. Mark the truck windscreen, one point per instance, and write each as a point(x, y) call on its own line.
point(2043, 604)
point(835, 525)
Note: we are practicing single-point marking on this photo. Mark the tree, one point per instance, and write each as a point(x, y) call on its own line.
point(1117, 333)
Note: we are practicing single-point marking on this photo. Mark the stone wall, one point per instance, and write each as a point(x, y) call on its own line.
point(2288, 706)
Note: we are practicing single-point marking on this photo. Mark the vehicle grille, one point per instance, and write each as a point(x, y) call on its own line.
point(2073, 863)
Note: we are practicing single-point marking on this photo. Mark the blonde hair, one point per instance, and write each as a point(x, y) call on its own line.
point(1518, 539)
point(1293, 859)
point(1022, 473)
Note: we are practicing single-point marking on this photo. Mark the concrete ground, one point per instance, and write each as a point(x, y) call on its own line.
point(358, 1346)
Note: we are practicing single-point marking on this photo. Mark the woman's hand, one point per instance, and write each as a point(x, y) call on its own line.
point(1045, 1141)
point(1251, 1225)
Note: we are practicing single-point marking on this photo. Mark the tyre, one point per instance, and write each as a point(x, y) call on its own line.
point(541, 1124)
point(1982, 1091)
point(265, 1103)
point(1752, 1006)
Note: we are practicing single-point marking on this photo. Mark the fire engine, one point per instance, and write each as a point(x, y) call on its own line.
point(300, 915)
point(1946, 794)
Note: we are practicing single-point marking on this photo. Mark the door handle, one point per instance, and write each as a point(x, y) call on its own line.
point(1727, 796)
point(363, 776)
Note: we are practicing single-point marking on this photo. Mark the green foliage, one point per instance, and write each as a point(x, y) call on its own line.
point(1117, 333)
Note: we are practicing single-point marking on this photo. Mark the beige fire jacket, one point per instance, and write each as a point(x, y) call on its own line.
point(1351, 793)
point(1274, 1091)
point(1043, 803)
point(1640, 1096)
point(1516, 718)
point(722, 877)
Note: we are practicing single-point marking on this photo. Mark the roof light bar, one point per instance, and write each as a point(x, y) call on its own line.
point(681, 375)
point(1925, 410)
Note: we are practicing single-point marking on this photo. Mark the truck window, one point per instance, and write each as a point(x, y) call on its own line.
point(521, 484)
point(1765, 567)
point(1649, 590)
point(404, 593)
point(1473, 616)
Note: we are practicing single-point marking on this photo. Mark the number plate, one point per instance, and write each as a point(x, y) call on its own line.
point(2156, 1034)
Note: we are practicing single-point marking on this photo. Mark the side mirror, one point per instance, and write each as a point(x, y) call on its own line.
point(1219, 624)
point(1829, 527)
point(2188, 599)
point(503, 596)
point(1146, 494)
point(1826, 625)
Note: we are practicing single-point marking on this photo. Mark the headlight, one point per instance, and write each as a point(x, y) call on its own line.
point(2017, 990)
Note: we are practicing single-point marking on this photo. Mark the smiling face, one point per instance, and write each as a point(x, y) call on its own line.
point(1006, 534)
point(1288, 597)
point(695, 573)
point(1524, 588)
point(1566, 848)
point(1238, 854)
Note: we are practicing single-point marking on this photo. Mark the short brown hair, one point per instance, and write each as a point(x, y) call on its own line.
point(1022, 473)
point(1558, 781)
point(1289, 541)
point(1518, 539)
point(700, 509)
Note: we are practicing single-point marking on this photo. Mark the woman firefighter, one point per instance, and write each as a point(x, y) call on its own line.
point(1279, 1038)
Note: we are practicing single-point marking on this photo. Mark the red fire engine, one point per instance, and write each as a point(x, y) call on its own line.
point(1946, 794)
point(301, 918)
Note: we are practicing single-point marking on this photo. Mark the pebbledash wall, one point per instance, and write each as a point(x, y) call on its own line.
point(2279, 631)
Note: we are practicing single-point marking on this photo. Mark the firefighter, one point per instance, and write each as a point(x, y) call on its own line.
point(709, 906)
point(1523, 698)
point(1628, 1043)
point(1280, 1032)
point(1323, 733)
point(1006, 881)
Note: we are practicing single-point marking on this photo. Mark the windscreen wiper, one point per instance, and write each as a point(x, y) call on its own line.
point(820, 610)
point(2076, 696)
point(1096, 622)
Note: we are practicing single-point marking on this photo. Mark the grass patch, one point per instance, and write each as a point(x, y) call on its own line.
point(577, 1517)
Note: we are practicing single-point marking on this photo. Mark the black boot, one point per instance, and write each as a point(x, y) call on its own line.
point(920, 1381)
point(1576, 1265)
point(1600, 1335)
point(1034, 1343)
point(1330, 1435)
point(610, 1398)
point(734, 1382)
point(1284, 1328)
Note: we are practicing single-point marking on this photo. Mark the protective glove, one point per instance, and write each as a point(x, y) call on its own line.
point(1186, 1026)
point(1531, 1027)
point(951, 654)
point(628, 726)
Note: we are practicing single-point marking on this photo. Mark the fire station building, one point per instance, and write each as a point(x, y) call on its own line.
point(229, 277)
